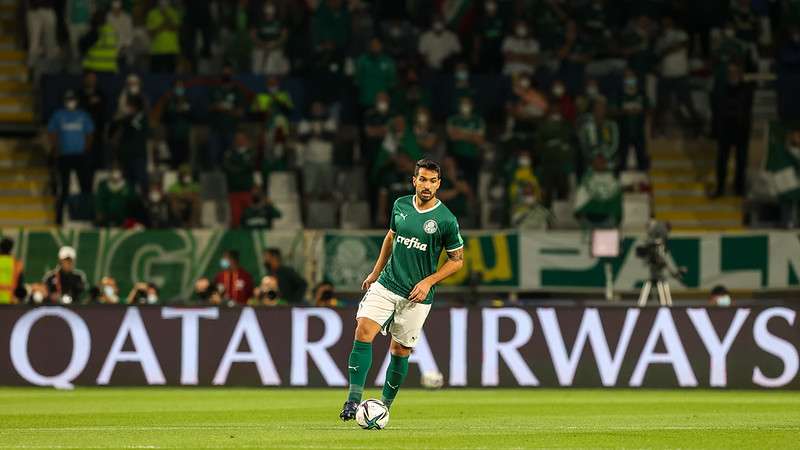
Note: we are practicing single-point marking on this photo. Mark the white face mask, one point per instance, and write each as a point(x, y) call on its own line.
point(152, 299)
point(466, 109)
point(72, 105)
point(134, 89)
point(108, 291)
point(116, 175)
point(438, 26)
point(525, 83)
point(730, 32)
point(524, 161)
point(522, 31)
point(186, 179)
point(382, 106)
point(422, 120)
point(37, 297)
point(558, 90)
point(592, 91)
point(155, 196)
point(491, 7)
point(116, 5)
point(724, 300)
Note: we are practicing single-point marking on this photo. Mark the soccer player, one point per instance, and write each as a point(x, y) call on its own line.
point(400, 288)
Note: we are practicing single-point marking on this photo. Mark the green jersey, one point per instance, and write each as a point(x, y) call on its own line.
point(419, 237)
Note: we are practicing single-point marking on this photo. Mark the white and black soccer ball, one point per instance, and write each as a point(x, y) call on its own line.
point(372, 414)
point(432, 380)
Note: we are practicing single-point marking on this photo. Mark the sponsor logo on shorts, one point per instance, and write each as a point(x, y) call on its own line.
point(411, 243)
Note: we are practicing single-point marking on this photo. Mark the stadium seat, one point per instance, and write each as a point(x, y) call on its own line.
point(354, 215)
point(290, 215)
point(322, 214)
point(282, 186)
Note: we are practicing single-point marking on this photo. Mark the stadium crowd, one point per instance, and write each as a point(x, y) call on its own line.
point(524, 101)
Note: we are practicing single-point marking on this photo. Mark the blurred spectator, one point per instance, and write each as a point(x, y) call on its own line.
point(735, 113)
point(632, 118)
point(375, 72)
point(790, 203)
point(178, 119)
point(636, 46)
point(400, 38)
point(420, 139)
point(376, 127)
point(41, 22)
point(235, 16)
point(131, 133)
point(143, 294)
point(720, 297)
point(330, 32)
point(109, 291)
point(585, 102)
point(239, 165)
point(466, 132)
point(114, 201)
point(260, 213)
point(324, 296)
point(789, 51)
point(456, 191)
point(394, 182)
point(132, 89)
point(598, 201)
point(672, 49)
point(548, 21)
point(291, 285)
point(267, 293)
point(729, 50)
point(269, 36)
point(122, 24)
point(101, 47)
point(461, 87)
point(70, 131)
point(273, 106)
point(12, 281)
point(525, 196)
point(226, 111)
point(204, 292)
point(598, 135)
point(78, 18)
point(163, 25)
point(233, 282)
point(438, 45)
point(318, 131)
point(93, 101)
point(744, 20)
point(184, 199)
point(197, 20)
point(526, 109)
point(65, 284)
point(487, 55)
point(411, 95)
point(555, 157)
point(156, 208)
point(563, 102)
point(520, 50)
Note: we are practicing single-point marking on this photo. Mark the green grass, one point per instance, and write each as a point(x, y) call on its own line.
point(307, 418)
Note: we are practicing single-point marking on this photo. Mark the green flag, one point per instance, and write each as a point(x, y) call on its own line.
point(599, 198)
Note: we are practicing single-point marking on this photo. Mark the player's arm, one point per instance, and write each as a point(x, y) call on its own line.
point(454, 263)
point(383, 258)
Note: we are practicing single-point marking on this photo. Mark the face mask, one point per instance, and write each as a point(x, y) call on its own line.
point(462, 75)
point(630, 84)
point(269, 10)
point(38, 297)
point(155, 196)
point(525, 83)
point(522, 31)
point(242, 149)
point(438, 27)
point(163, 4)
point(466, 109)
point(152, 299)
point(422, 120)
point(116, 175)
point(724, 300)
point(108, 291)
point(180, 91)
point(730, 32)
point(592, 91)
point(382, 107)
point(115, 5)
point(186, 179)
point(134, 89)
point(524, 161)
point(558, 90)
point(491, 7)
point(72, 105)
point(224, 264)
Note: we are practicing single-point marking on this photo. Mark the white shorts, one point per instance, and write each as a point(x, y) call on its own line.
point(402, 318)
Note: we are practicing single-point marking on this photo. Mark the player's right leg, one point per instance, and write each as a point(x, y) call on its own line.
point(374, 312)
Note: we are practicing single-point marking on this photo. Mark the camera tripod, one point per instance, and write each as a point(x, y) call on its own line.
point(662, 286)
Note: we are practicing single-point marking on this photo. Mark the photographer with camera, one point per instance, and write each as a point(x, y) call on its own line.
point(323, 296)
point(654, 253)
point(65, 284)
point(267, 293)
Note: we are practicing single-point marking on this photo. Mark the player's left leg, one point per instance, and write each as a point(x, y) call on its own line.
point(406, 330)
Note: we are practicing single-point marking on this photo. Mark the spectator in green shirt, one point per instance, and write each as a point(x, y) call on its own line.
point(239, 164)
point(375, 72)
point(260, 213)
point(269, 36)
point(163, 24)
point(178, 120)
point(114, 201)
point(184, 199)
point(226, 110)
point(466, 131)
point(330, 26)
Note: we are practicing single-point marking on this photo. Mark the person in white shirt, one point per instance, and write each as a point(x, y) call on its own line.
point(673, 49)
point(122, 23)
point(437, 45)
point(520, 51)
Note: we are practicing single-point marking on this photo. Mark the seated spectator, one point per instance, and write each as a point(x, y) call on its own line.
point(269, 35)
point(163, 25)
point(178, 119)
point(554, 156)
point(318, 131)
point(184, 199)
point(525, 196)
point(520, 51)
point(375, 72)
point(226, 109)
point(720, 297)
point(487, 54)
point(114, 201)
point(108, 292)
point(143, 294)
point(131, 135)
point(455, 190)
point(260, 213)
point(598, 201)
point(239, 165)
point(633, 110)
point(563, 102)
point(324, 296)
point(438, 45)
point(234, 284)
point(267, 293)
point(65, 284)
point(204, 292)
point(598, 135)
point(291, 285)
point(156, 208)
point(466, 131)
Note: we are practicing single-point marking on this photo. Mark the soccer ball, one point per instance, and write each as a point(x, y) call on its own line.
point(372, 414)
point(432, 380)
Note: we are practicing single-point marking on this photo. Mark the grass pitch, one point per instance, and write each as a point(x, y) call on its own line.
point(307, 418)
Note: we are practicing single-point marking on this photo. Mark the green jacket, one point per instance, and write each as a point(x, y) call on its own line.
point(374, 74)
point(113, 207)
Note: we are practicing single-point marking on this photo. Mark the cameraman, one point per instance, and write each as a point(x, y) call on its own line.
point(323, 296)
point(267, 293)
point(65, 284)
point(143, 294)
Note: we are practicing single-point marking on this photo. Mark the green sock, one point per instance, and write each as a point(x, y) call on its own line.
point(358, 367)
point(395, 374)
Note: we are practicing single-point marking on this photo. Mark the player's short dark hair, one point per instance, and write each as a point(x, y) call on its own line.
point(427, 164)
point(6, 244)
point(274, 251)
point(719, 290)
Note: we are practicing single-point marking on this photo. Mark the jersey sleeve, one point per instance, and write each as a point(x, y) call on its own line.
point(452, 237)
point(392, 225)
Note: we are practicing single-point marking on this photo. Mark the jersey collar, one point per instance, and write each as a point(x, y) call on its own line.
point(423, 211)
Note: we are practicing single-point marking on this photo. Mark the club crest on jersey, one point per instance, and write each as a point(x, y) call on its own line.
point(411, 243)
point(430, 226)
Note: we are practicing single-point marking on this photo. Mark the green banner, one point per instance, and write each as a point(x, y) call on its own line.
point(172, 259)
point(347, 257)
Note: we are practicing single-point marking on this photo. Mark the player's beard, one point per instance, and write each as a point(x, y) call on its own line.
point(425, 196)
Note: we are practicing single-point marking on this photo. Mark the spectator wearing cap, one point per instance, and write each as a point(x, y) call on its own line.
point(233, 282)
point(291, 285)
point(65, 284)
point(70, 131)
point(163, 24)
